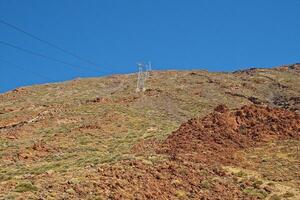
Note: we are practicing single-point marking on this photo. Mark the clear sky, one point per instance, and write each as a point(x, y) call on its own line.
point(218, 35)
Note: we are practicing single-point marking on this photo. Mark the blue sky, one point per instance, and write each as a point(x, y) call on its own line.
point(218, 35)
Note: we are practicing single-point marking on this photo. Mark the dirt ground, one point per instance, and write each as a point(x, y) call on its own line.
point(190, 135)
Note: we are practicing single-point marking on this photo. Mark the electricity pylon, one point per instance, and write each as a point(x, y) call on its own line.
point(148, 69)
point(143, 74)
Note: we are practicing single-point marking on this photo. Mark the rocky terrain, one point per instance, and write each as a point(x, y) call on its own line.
point(190, 135)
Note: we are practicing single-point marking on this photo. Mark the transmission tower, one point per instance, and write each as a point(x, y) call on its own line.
point(143, 74)
point(148, 69)
point(140, 86)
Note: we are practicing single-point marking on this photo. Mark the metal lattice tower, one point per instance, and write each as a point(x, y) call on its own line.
point(143, 74)
point(148, 69)
point(140, 81)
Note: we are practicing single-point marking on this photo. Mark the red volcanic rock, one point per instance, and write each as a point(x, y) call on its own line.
point(216, 137)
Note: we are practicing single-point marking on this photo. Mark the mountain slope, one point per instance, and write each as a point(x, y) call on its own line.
point(61, 129)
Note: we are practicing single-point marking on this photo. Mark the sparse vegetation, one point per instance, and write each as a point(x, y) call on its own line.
point(25, 187)
point(257, 193)
point(275, 197)
point(76, 138)
point(241, 174)
point(288, 195)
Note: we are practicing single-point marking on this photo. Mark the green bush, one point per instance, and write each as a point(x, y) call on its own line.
point(25, 187)
point(275, 197)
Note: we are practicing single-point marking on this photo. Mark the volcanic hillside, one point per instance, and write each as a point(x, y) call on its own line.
point(217, 136)
point(197, 150)
point(98, 138)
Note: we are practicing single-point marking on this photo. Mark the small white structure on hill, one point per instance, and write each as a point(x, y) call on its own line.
point(143, 74)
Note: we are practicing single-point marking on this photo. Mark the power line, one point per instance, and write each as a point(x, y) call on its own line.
point(48, 43)
point(58, 47)
point(24, 69)
point(40, 55)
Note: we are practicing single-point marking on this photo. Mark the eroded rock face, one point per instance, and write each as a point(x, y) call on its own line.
point(215, 137)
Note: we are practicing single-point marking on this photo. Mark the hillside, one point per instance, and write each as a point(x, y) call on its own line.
point(97, 138)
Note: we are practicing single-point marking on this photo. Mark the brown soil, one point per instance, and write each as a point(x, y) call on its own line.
point(197, 150)
point(190, 166)
point(215, 138)
point(98, 139)
point(166, 180)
